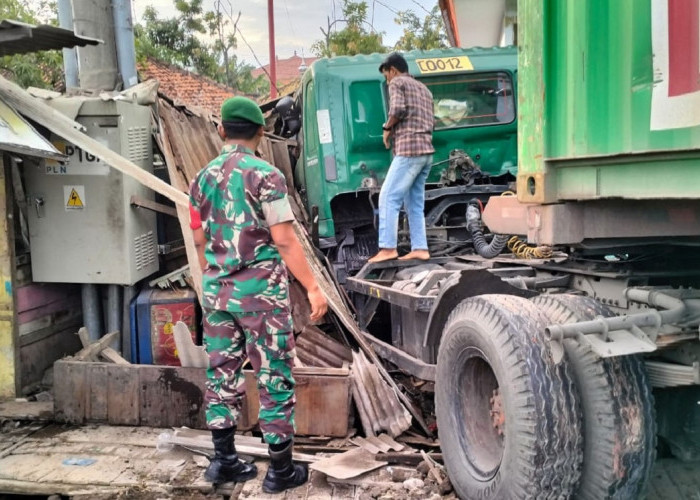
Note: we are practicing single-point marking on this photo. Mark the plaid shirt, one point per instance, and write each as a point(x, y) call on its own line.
point(411, 103)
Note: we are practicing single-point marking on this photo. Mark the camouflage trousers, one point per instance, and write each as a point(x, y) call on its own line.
point(266, 339)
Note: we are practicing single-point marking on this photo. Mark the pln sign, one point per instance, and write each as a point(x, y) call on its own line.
point(675, 101)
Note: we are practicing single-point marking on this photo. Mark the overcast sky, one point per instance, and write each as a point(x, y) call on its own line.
point(297, 22)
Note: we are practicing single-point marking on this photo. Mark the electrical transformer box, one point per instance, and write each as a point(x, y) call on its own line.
point(82, 225)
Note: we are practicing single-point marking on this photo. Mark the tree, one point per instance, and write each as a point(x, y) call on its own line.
point(178, 41)
point(217, 21)
point(39, 69)
point(175, 40)
point(353, 39)
point(423, 35)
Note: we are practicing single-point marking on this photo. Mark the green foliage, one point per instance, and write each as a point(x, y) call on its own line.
point(423, 35)
point(354, 38)
point(175, 40)
point(179, 41)
point(39, 69)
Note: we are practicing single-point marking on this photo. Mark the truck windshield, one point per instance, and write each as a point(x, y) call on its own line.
point(471, 100)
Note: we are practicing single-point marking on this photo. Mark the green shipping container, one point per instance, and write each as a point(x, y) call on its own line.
point(608, 100)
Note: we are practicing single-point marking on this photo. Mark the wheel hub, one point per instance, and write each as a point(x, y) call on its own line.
point(498, 416)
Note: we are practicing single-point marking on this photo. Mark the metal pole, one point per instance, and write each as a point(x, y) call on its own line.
point(124, 38)
point(273, 60)
point(92, 311)
point(70, 58)
point(97, 65)
point(114, 313)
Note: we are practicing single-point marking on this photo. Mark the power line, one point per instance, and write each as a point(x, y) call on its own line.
point(419, 5)
point(387, 7)
point(289, 19)
point(274, 84)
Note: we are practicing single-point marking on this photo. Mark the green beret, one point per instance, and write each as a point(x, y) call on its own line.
point(241, 108)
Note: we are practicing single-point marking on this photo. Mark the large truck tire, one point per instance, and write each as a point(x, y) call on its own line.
point(508, 418)
point(618, 408)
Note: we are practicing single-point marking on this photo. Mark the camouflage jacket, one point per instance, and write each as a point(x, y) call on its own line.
point(238, 197)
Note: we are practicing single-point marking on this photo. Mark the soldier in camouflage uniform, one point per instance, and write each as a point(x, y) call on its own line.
point(242, 224)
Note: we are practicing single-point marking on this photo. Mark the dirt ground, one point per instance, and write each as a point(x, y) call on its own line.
point(108, 462)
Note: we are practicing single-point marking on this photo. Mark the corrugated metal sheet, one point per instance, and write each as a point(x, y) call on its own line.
point(378, 405)
point(190, 140)
point(21, 38)
point(315, 348)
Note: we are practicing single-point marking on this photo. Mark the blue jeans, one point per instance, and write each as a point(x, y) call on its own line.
point(404, 184)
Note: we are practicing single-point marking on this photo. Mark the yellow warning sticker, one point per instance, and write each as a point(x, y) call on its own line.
point(74, 197)
point(444, 64)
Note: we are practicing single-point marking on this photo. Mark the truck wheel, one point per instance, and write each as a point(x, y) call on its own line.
point(508, 417)
point(618, 408)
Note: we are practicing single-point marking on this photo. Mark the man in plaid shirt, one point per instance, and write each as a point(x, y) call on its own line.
point(410, 125)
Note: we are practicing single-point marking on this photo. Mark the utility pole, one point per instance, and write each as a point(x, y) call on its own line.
point(273, 59)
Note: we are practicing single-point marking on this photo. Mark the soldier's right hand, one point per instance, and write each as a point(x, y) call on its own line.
point(319, 304)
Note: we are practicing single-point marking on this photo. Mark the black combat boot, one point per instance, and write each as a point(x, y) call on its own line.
point(283, 474)
point(225, 467)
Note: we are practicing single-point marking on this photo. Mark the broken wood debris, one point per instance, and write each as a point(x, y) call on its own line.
point(338, 305)
point(173, 396)
point(139, 201)
point(91, 351)
point(413, 459)
point(245, 445)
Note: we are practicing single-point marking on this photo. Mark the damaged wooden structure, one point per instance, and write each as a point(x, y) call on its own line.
point(329, 376)
point(173, 396)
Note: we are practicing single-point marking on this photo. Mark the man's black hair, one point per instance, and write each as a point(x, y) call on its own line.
point(240, 129)
point(394, 60)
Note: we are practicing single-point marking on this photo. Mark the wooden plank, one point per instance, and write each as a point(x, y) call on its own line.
point(406, 458)
point(113, 356)
point(183, 215)
point(26, 410)
point(282, 162)
point(84, 336)
point(171, 397)
point(39, 295)
point(57, 123)
point(70, 391)
point(96, 404)
point(123, 404)
point(9, 338)
point(192, 438)
point(96, 347)
point(11, 486)
point(153, 205)
point(174, 396)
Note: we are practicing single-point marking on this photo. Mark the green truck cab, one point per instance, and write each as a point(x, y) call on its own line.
point(344, 102)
